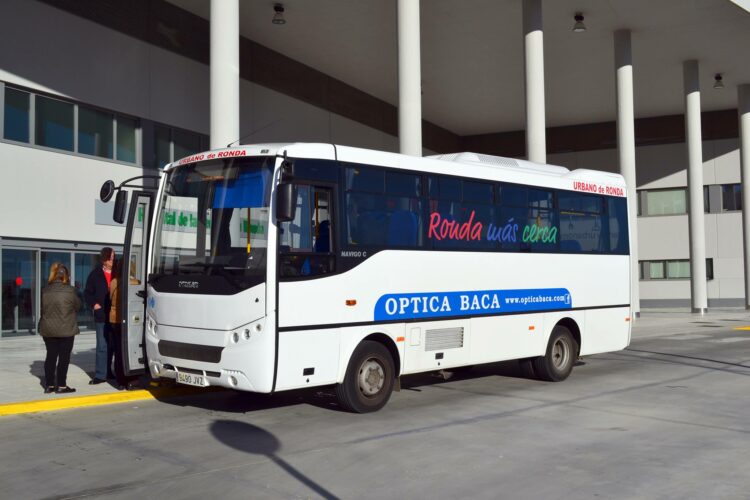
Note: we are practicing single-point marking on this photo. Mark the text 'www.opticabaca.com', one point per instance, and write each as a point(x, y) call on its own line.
point(469, 303)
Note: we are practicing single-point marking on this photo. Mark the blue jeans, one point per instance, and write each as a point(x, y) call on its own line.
point(102, 357)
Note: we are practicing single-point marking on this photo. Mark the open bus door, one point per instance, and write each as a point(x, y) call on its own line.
point(133, 282)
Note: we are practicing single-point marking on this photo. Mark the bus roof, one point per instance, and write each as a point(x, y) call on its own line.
point(476, 165)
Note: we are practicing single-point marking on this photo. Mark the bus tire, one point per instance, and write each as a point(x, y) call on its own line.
point(369, 379)
point(562, 352)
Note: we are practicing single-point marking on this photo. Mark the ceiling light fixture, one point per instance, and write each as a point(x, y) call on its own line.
point(579, 27)
point(718, 81)
point(278, 18)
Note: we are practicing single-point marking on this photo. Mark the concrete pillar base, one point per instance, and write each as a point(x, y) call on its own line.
point(699, 310)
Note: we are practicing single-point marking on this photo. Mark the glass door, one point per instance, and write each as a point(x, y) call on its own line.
point(133, 282)
point(19, 285)
point(84, 264)
point(49, 258)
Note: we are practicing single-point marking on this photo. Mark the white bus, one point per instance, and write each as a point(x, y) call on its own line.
point(273, 267)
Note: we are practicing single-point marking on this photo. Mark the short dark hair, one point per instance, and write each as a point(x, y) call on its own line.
point(105, 254)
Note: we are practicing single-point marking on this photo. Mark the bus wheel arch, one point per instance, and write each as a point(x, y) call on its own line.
point(390, 345)
point(370, 377)
point(571, 325)
point(561, 354)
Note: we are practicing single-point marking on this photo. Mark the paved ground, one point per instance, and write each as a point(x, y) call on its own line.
point(666, 418)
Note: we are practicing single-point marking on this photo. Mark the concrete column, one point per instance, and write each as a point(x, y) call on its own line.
point(225, 72)
point(533, 44)
point(409, 79)
point(626, 151)
point(743, 95)
point(696, 221)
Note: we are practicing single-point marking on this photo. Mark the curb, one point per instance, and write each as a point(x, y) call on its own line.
point(64, 403)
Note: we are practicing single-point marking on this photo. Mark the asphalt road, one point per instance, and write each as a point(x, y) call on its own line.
point(667, 418)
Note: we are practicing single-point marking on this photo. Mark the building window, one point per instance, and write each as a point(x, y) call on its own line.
point(68, 126)
point(126, 139)
point(172, 144)
point(185, 143)
point(663, 202)
point(54, 123)
point(16, 115)
point(731, 197)
point(675, 269)
point(706, 200)
point(95, 132)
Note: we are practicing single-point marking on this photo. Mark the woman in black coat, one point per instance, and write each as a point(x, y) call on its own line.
point(58, 327)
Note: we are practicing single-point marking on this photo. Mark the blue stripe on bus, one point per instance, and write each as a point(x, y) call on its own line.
point(470, 303)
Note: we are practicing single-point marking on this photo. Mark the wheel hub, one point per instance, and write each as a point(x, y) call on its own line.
point(371, 377)
point(560, 354)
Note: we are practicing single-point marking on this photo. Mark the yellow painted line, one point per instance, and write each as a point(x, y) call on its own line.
point(63, 403)
point(742, 328)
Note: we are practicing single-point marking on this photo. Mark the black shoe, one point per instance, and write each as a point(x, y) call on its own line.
point(96, 381)
point(50, 390)
point(65, 390)
point(120, 387)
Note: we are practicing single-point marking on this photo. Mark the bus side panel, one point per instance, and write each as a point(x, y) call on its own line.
point(606, 330)
point(500, 338)
point(308, 358)
point(436, 345)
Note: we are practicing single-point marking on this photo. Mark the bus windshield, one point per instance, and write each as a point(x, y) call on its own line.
point(213, 221)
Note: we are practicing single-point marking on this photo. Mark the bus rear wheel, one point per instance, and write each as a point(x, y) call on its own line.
point(562, 352)
point(369, 379)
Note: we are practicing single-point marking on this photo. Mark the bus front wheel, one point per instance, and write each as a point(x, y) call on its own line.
point(562, 352)
point(369, 378)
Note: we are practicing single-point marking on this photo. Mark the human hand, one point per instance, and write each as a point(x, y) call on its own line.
point(97, 307)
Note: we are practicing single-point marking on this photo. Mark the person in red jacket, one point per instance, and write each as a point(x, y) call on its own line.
point(97, 298)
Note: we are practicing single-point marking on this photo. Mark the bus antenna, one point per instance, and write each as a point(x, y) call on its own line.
point(244, 136)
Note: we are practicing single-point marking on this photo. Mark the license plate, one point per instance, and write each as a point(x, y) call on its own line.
point(192, 379)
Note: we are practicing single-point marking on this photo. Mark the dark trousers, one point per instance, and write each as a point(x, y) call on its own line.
point(116, 343)
point(58, 359)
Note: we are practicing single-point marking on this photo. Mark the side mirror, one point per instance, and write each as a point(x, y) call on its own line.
point(121, 203)
point(286, 201)
point(106, 191)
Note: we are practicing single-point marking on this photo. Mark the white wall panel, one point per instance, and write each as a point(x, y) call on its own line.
point(727, 161)
point(51, 196)
point(70, 56)
point(178, 91)
point(731, 288)
point(663, 237)
point(350, 133)
point(660, 290)
point(729, 235)
point(661, 166)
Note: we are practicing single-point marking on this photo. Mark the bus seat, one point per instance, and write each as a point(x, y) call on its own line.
point(370, 228)
point(402, 229)
point(323, 241)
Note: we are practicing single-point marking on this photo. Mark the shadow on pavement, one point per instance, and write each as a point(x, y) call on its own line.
point(248, 438)
point(81, 359)
point(231, 401)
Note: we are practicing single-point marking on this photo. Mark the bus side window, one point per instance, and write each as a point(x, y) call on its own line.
point(305, 244)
